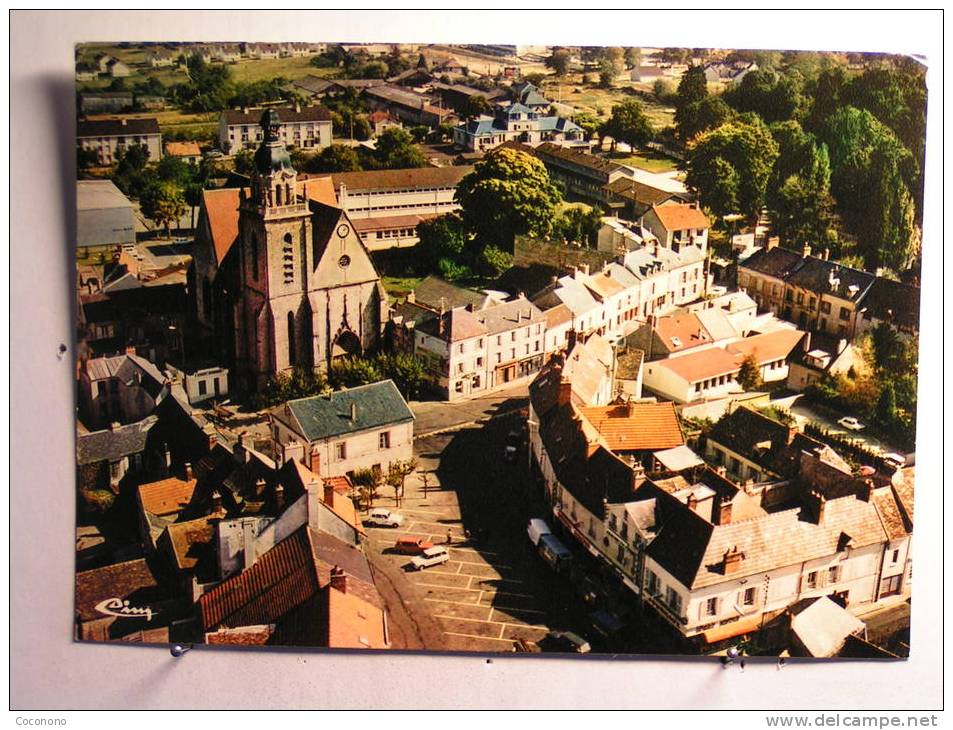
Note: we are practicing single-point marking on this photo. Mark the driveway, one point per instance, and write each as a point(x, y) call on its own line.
point(803, 412)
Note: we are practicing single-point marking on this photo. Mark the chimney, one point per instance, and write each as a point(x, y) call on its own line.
point(130, 349)
point(723, 513)
point(585, 269)
point(867, 492)
point(806, 251)
point(638, 475)
point(123, 121)
point(216, 502)
point(806, 342)
point(692, 502)
point(733, 560)
point(827, 254)
point(721, 470)
point(773, 242)
point(353, 411)
point(279, 496)
point(167, 458)
point(115, 426)
point(821, 506)
point(339, 579)
point(188, 471)
point(565, 392)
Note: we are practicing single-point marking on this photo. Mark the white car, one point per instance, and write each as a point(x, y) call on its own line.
point(431, 556)
point(384, 518)
point(851, 423)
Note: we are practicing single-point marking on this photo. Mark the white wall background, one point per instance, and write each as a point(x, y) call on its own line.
point(49, 671)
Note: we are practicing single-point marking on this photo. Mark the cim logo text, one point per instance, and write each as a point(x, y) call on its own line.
point(121, 608)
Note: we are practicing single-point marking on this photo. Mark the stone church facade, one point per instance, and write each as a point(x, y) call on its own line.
point(308, 291)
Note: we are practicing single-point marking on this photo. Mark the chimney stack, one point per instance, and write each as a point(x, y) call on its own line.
point(733, 560)
point(339, 579)
point(216, 502)
point(806, 251)
point(565, 392)
point(130, 349)
point(723, 513)
point(773, 242)
point(638, 475)
point(188, 471)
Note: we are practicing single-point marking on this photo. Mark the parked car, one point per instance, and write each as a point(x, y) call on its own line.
point(511, 449)
point(897, 461)
point(412, 545)
point(383, 518)
point(536, 529)
point(431, 556)
point(565, 642)
point(851, 423)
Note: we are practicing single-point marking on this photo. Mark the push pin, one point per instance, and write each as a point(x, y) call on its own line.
point(178, 650)
point(730, 657)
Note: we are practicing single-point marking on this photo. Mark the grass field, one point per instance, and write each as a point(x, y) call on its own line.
point(587, 98)
point(647, 160)
point(398, 287)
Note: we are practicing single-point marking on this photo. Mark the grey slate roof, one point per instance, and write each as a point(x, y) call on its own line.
point(112, 445)
point(435, 293)
point(116, 127)
point(321, 417)
point(776, 262)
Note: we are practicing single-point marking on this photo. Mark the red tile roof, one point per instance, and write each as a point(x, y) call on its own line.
point(636, 426)
point(221, 209)
point(183, 149)
point(353, 623)
point(680, 216)
point(767, 347)
point(708, 363)
point(555, 316)
point(243, 636)
point(281, 580)
point(166, 496)
point(687, 328)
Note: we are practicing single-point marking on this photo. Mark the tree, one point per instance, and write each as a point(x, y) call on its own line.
point(442, 237)
point(887, 405)
point(367, 482)
point(335, 158)
point(494, 261)
point(302, 382)
point(749, 376)
point(692, 88)
point(888, 349)
point(559, 61)
point(163, 202)
point(351, 372)
point(578, 223)
point(509, 193)
point(633, 57)
point(396, 150)
point(628, 123)
point(397, 473)
point(130, 174)
point(590, 125)
point(700, 116)
point(374, 70)
point(405, 370)
point(244, 161)
point(772, 97)
point(607, 73)
point(748, 150)
point(85, 159)
point(474, 106)
point(872, 174)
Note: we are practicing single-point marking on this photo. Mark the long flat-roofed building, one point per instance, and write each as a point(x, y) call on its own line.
point(387, 205)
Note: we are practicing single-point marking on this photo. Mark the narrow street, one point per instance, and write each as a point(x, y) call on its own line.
point(434, 416)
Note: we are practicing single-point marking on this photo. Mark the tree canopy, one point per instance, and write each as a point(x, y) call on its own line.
point(509, 193)
point(629, 124)
point(731, 165)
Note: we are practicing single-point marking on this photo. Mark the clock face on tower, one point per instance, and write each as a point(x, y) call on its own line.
point(343, 230)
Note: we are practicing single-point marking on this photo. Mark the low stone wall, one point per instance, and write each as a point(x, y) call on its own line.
point(528, 251)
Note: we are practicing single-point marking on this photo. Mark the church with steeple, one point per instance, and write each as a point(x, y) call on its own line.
point(308, 292)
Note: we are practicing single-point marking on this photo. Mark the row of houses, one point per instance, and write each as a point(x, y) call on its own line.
point(825, 296)
point(773, 522)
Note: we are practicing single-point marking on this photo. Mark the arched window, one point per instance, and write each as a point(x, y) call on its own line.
point(254, 255)
point(288, 258)
point(291, 338)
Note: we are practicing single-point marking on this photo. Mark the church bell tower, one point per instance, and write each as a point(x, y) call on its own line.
point(273, 331)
